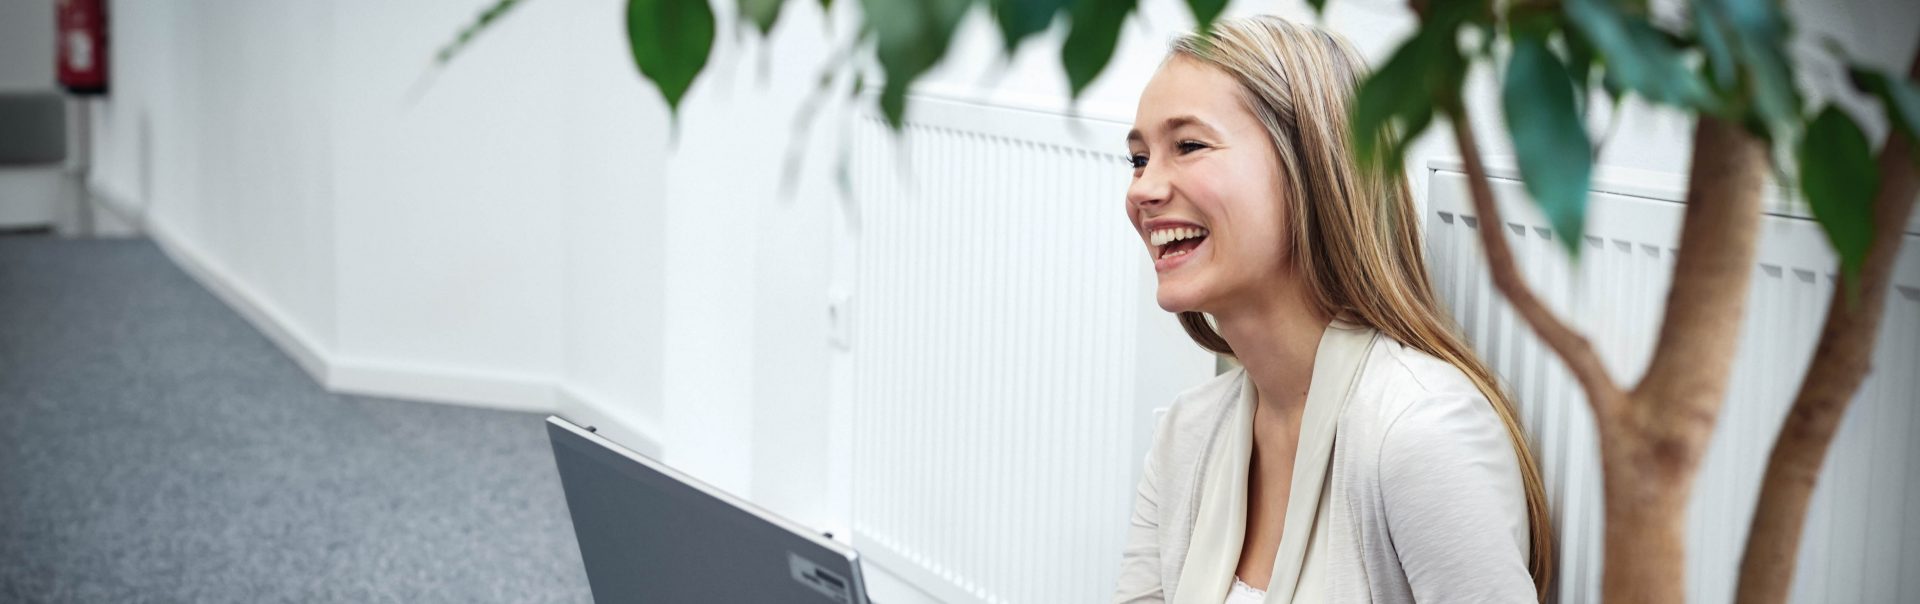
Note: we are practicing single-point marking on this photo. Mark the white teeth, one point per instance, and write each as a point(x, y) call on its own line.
point(1170, 235)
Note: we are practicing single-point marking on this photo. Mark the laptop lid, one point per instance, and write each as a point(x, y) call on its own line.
point(649, 533)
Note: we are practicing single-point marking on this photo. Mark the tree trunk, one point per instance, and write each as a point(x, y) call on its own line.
point(1652, 439)
point(1840, 363)
point(1646, 513)
point(1651, 446)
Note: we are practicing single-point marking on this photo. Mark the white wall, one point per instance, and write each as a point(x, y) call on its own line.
point(515, 230)
point(144, 140)
point(520, 231)
point(451, 202)
point(486, 235)
point(26, 45)
point(615, 256)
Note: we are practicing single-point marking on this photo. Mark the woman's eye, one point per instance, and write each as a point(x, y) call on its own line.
point(1191, 146)
point(1137, 160)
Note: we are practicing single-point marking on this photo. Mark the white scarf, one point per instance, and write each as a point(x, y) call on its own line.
point(1220, 528)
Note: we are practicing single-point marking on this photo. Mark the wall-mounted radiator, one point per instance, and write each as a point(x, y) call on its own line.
point(1006, 353)
point(1860, 545)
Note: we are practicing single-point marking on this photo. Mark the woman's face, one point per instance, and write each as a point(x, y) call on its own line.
point(1207, 194)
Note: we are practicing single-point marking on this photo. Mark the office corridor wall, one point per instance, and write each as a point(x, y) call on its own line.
point(517, 229)
point(488, 233)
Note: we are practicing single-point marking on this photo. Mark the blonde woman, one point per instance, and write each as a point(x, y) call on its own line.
point(1362, 452)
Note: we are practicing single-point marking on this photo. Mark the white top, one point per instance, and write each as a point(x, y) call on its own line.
point(1220, 519)
point(1243, 593)
point(1418, 498)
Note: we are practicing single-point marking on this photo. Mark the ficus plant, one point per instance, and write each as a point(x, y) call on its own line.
point(1726, 63)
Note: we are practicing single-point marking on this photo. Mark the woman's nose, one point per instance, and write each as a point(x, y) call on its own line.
point(1149, 189)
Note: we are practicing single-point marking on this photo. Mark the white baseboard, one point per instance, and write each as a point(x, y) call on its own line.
point(256, 309)
point(114, 215)
point(384, 379)
point(610, 420)
point(435, 385)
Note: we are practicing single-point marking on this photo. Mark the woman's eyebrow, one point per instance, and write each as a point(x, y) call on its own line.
point(1174, 123)
point(1178, 121)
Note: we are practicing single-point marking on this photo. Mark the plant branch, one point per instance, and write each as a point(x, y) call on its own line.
point(1841, 362)
point(1572, 346)
point(1686, 380)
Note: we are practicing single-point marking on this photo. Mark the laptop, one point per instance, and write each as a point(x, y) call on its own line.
point(649, 533)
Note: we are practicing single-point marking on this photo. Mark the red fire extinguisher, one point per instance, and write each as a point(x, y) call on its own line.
point(82, 45)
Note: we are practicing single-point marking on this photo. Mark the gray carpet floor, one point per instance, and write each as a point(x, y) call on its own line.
point(154, 447)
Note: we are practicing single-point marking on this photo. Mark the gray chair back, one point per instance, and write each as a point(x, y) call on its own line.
point(33, 128)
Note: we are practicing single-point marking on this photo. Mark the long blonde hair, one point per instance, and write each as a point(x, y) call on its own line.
point(1354, 241)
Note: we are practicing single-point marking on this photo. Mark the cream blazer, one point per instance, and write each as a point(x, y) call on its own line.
point(1405, 488)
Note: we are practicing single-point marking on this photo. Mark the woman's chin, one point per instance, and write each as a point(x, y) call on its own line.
point(1187, 293)
point(1175, 301)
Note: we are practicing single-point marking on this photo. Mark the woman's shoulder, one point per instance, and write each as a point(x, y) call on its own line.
point(1408, 393)
point(1419, 374)
point(1196, 412)
point(1418, 426)
point(1437, 479)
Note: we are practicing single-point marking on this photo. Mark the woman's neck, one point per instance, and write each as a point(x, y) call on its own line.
point(1276, 338)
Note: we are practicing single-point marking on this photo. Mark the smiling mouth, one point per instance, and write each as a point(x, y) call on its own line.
point(1177, 242)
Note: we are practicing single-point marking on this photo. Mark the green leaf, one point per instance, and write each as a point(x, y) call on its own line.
point(1319, 6)
point(1555, 157)
point(670, 40)
point(1638, 57)
point(763, 13)
point(893, 102)
point(1839, 178)
point(1091, 39)
point(1901, 97)
point(1759, 41)
point(480, 23)
point(1205, 12)
point(1390, 93)
point(911, 37)
point(1714, 40)
point(1397, 101)
point(1579, 67)
point(1020, 19)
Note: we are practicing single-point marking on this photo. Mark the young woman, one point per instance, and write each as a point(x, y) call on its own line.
point(1362, 452)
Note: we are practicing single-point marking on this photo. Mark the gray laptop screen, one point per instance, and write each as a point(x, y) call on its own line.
point(648, 534)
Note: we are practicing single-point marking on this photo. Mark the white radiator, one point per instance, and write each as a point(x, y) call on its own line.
point(1860, 545)
point(1006, 353)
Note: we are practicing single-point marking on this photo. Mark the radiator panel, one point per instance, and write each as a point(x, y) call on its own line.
point(1857, 545)
point(1004, 326)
